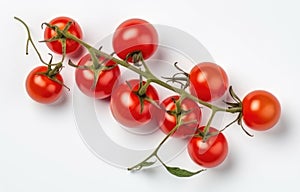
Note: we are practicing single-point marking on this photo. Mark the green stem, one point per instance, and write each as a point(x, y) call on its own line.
point(207, 126)
point(148, 75)
point(143, 88)
point(29, 40)
point(160, 160)
point(154, 153)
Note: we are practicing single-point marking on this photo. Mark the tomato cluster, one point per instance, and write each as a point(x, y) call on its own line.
point(44, 84)
point(135, 102)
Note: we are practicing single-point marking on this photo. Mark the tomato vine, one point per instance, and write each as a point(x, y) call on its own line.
point(202, 135)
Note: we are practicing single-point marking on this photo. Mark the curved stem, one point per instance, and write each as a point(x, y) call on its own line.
point(29, 40)
point(154, 153)
point(57, 66)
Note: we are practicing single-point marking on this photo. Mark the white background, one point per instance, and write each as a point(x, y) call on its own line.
point(256, 42)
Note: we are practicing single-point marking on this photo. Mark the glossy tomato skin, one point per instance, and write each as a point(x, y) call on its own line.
point(126, 107)
point(208, 81)
point(210, 153)
point(56, 46)
point(42, 89)
point(167, 120)
point(261, 110)
point(107, 79)
point(135, 35)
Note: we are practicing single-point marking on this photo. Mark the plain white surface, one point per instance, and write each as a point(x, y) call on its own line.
point(257, 43)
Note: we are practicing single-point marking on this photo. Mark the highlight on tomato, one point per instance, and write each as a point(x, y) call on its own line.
point(56, 44)
point(208, 81)
point(210, 152)
point(135, 35)
point(131, 109)
point(107, 79)
point(41, 88)
point(183, 113)
point(261, 110)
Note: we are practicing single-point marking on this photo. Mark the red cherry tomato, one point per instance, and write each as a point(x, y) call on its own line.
point(126, 106)
point(135, 35)
point(41, 88)
point(209, 153)
point(189, 113)
point(261, 110)
point(56, 46)
point(208, 81)
point(106, 81)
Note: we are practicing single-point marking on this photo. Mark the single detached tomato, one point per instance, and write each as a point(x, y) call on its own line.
point(105, 83)
point(41, 88)
point(188, 113)
point(56, 46)
point(126, 105)
point(261, 110)
point(209, 153)
point(208, 81)
point(135, 35)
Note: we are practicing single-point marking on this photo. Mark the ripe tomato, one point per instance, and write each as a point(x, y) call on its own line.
point(41, 88)
point(209, 153)
point(56, 46)
point(135, 35)
point(126, 106)
point(208, 81)
point(169, 115)
point(261, 110)
point(106, 81)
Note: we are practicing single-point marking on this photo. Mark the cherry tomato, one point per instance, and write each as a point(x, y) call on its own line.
point(106, 81)
point(261, 110)
point(209, 153)
point(56, 46)
point(126, 106)
point(41, 88)
point(189, 113)
point(135, 35)
point(208, 81)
